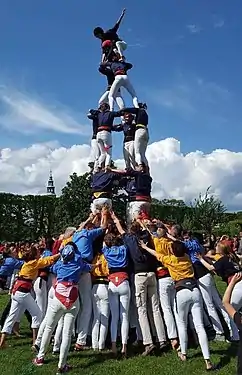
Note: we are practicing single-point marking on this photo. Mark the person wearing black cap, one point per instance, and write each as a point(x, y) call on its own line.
point(110, 39)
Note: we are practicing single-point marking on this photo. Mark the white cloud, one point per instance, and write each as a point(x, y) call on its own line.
point(28, 113)
point(218, 22)
point(194, 29)
point(175, 175)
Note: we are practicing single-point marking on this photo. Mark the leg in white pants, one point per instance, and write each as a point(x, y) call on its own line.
point(186, 301)
point(205, 284)
point(129, 156)
point(95, 152)
point(121, 47)
point(98, 203)
point(40, 289)
point(58, 335)
point(43, 324)
point(121, 81)
point(100, 315)
point(146, 288)
point(137, 206)
point(133, 311)
point(119, 299)
point(141, 141)
point(84, 316)
point(167, 299)
point(22, 301)
point(104, 141)
point(58, 310)
point(119, 99)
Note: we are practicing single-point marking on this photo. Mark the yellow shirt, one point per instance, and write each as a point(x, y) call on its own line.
point(30, 269)
point(65, 242)
point(217, 257)
point(20, 256)
point(179, 268)
point(162, 245)
point(102, 269)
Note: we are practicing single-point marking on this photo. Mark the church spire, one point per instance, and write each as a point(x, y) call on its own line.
point(50, 190)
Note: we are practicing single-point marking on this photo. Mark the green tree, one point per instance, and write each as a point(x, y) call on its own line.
point(207, 212)
point(73, 205)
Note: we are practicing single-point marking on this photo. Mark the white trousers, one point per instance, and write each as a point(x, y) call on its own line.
point(141, 141)
point(20, 303)
point(134, 209)
point(119, 99)
point(167, 300)
point(100, 307)
point(98, 203)
point(85, 314)
point(104, 142)
point(119, 300)
point(41, 294)
point(122, 81)
point(236, 297)
point(146, 290)
point(191, 301)
point(129, 156)
point(133, 311)
point(56, 311)
point(58, 333)
point(121, 47)
point(95, 153)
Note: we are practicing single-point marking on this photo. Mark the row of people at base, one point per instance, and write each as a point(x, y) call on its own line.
point(124, 272)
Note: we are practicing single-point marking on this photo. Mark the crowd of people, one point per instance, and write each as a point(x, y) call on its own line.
point(136, 279)
point(146, 283)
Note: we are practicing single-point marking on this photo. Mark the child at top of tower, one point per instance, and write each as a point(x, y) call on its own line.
point(110, 39)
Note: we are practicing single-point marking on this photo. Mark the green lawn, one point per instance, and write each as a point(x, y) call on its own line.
point(16, 360)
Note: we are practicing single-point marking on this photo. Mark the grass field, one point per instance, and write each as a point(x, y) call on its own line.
point(16, 360)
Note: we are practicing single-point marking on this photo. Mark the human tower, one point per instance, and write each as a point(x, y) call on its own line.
point(135, 179)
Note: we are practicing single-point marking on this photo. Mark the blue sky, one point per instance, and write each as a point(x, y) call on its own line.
point(187, 67)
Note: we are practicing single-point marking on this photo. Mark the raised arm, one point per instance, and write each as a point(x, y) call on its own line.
point(227, 295)
point(117, 223)
point(117, 24)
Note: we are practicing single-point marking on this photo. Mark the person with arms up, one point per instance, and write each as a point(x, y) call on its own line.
point(110, 39)
point(188, 298)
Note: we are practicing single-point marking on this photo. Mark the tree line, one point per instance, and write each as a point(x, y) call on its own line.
point(32, 216)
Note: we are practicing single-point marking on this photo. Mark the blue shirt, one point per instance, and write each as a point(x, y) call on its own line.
point(193, 247)
point(103, 181)
point(9, 265)
point(70, 271)
point(116, 256)
point(46, 253)
point(84, 241)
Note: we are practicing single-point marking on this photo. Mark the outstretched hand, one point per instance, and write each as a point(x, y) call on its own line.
point(124, 11)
